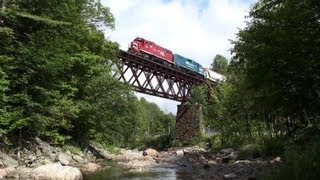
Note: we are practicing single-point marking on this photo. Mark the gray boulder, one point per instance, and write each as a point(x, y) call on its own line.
point(225, 152)
point(90, 168)
point(99, 152)
point(64, 159)
point(24, 172)
point(44, 161)
point(12, 173)
point(56, 172)
point(31, 160)
point(151, 152)
point(231, 156)
point(8, 161)
point(45, 149)
point(230, 176)
point(193, 149)
point(3, 173)
point(48, 151)
point(78, 158)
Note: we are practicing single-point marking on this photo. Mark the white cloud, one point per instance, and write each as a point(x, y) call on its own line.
point(186, 27)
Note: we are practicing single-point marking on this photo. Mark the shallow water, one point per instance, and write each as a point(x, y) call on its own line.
point(114, 171)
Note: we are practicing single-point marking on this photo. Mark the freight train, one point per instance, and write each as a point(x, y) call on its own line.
point(152, 51)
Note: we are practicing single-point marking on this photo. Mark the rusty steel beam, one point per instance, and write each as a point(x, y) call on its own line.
point(153, 78)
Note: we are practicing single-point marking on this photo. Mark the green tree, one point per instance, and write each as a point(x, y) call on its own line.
point(220, 64)
point(51, 51)
point(277, 51)
point(153, 126)
point(55, 78)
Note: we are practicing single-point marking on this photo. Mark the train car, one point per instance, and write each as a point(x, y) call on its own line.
point(143, 46)
point(188, 64)
point(213, 76)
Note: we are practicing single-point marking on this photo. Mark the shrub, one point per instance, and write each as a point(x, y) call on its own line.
point(273, 146)
point(72, 149)
point(249, 151)
point(299, 164)
point(215, 141)
point(301, 158)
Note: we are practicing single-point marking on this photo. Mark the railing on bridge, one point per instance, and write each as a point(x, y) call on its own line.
point(153, 78)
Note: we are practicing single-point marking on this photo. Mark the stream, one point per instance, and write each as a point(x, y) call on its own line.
point(114, 171)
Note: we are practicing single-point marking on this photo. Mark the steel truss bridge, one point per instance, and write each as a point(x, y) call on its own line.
point(153, 78)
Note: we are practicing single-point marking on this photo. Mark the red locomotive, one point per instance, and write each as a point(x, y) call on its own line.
point(143, 46)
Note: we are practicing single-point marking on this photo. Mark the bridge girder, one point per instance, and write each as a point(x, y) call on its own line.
point(153, 78)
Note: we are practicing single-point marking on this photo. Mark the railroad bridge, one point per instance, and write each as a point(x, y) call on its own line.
point(153, 78)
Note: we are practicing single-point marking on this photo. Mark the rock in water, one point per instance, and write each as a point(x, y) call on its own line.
point(230, 176)
point(56, 171)
point(151, 152)
point(90, 168)
point(179, 153)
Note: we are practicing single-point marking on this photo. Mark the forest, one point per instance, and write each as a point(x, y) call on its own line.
point(56, 83)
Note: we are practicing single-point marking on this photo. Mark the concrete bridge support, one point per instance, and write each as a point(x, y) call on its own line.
point(189, 124)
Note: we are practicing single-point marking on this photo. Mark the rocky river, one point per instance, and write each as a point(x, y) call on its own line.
point(44, 161)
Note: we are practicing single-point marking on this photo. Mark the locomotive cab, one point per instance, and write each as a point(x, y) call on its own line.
point(135, 44)
point(150, 50)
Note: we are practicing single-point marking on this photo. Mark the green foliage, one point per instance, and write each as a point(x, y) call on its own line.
point(113, 149)
point(198, 95)
point(249, 151)
point(55, 79)
point(272, 89)
point(301, 156)
point(72, 149)
point(153, 127)
point(157, 142)
point(57, 55)
point(300, 163)
point(98, 15)
point(272, 146)
point(280, 67)
point(41, 19)
point(271, 97)
point(215, 140)
point(3, 87)
point(220, 64)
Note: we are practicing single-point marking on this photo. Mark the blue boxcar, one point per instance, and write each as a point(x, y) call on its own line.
point(188, 64)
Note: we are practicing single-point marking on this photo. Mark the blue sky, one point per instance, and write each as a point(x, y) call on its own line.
point(197, 29)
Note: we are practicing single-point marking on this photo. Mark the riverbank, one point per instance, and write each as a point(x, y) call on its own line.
point(200, 164)
point(37, 159)
point(41, 160)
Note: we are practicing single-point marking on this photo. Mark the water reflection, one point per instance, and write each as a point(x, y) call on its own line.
point(119, 173)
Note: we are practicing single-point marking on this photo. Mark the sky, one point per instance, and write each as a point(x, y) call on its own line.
point(197, 29)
